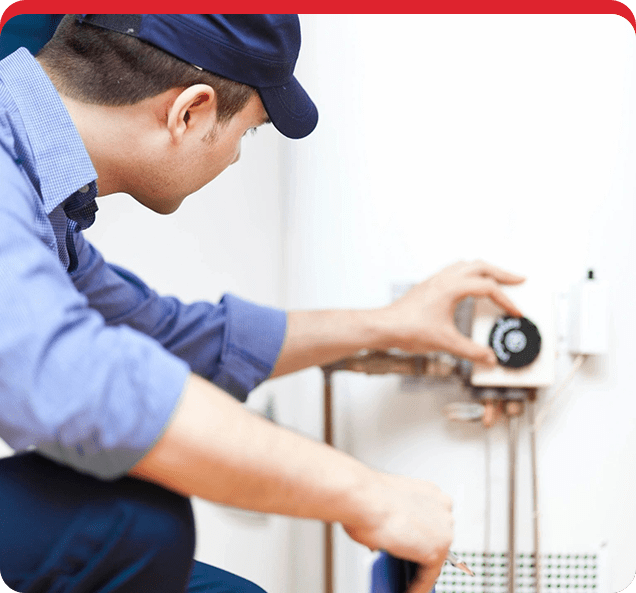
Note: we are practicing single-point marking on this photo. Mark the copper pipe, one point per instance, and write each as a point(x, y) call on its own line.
point(328, 438)
point(513, 436)
point(373, 363)
point(535, 493)
point(513, 410)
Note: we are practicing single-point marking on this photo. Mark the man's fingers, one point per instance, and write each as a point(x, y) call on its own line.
point(490, 288)
point(425, 580)
point(464, 347)
point(482, 268)
point(504, 302)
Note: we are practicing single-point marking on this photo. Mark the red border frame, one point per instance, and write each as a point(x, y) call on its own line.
point(613, 7)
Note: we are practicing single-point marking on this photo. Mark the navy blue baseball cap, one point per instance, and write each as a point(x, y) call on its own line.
point(259, 50)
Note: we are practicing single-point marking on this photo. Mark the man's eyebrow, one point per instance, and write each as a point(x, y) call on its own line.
point(265, 120)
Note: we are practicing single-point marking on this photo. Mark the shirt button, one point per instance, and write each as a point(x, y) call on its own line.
point(83, 190)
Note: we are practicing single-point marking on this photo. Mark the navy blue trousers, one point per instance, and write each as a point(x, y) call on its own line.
point(65, 532)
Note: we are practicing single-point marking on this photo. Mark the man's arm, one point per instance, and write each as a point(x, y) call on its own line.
point(419, 322)
point(233, 344)
point(216, 449)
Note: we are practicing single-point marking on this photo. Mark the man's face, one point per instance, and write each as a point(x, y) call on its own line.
point(201, 158)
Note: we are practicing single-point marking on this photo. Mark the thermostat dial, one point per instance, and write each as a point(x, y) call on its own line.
point(516, 341)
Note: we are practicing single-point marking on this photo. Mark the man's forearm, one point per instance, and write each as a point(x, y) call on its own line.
point(216, 449)
point(322, 337)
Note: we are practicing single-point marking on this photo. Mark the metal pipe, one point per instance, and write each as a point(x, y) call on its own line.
point(374, 363)
point(328, 438)
point(487, 513)
point(535, 494)
point(513, 411)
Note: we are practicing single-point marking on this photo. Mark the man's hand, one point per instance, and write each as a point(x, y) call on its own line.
point(413, 521)
point(423, 319)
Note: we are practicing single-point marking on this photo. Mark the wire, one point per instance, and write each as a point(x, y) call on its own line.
point(540, 417)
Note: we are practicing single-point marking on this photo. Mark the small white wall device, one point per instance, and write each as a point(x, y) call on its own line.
point(589, 323)
point(525, 346)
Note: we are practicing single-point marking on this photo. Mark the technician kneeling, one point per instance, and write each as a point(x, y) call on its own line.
point(130, 399)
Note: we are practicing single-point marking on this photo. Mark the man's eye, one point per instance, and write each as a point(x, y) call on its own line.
point(252, 131)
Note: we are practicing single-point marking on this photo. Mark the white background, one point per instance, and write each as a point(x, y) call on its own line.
point(507, 138)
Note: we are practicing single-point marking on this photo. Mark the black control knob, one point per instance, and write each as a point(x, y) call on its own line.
point(516, 341)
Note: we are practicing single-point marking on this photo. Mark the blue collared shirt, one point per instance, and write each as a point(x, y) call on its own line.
point(92, 361)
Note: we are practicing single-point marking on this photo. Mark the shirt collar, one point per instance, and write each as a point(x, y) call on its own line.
point(56, 144)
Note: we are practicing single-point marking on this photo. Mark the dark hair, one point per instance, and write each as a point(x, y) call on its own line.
point(102, 67)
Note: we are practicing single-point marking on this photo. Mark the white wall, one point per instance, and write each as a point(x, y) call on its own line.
point(507, 138)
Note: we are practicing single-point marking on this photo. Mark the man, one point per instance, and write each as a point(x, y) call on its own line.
point(122, 393)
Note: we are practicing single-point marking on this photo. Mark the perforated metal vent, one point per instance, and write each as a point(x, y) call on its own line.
point(560, 573)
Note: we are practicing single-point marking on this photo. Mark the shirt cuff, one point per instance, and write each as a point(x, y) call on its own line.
point(253, 339)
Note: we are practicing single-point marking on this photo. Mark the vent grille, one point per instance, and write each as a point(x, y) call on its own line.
point(560, 573)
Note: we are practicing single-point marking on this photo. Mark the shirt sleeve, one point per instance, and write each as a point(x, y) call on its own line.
point(93, 396)
point(234, 344)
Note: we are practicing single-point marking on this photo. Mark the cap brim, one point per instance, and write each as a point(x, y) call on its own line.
point(291, 110)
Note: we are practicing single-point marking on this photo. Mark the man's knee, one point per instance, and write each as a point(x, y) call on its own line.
point(240, 585)
point(158, 528)
point(142, 543)
point(209, 579)
point(246, 587)
point(82, 534)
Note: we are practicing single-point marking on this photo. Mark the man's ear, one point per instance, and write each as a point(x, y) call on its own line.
point(194, 107)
